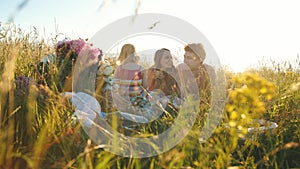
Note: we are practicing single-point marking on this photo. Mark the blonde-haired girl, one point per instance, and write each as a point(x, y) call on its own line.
point(130, 75)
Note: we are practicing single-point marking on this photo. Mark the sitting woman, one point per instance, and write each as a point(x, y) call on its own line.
point(163, 74)
point(162, 82)
point(130, 76)
point(163, 90)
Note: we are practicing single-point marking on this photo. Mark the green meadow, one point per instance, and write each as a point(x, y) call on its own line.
point(36, 132)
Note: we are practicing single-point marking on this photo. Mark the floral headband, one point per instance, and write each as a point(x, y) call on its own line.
point(65, 46)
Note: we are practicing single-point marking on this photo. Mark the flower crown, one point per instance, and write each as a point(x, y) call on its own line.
point(72, 48)
point(67, 52)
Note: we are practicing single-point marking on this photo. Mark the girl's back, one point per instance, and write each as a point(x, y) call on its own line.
point(130, 79)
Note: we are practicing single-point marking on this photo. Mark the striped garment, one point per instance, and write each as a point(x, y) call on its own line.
point(130, 81)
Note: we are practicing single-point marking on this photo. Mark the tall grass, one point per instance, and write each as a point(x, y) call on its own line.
point(36, 130)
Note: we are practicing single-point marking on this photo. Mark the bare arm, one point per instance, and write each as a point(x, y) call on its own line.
point(145, 79)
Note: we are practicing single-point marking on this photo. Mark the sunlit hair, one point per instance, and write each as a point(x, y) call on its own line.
point(127, 54)
point(197, 49)
point(169, 74)
point(158, 56)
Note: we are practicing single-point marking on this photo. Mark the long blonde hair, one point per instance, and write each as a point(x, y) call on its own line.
point(127, 54)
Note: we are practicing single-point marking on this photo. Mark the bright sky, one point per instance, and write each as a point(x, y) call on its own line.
point(241, 32)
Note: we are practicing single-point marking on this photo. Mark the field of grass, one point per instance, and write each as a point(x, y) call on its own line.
point(35, 133)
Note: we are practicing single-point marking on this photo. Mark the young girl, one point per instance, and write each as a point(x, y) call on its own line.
point(130, 76)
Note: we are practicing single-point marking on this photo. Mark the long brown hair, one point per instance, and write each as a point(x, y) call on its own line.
point(158, 56)
point(167, 83)
point(127, 53)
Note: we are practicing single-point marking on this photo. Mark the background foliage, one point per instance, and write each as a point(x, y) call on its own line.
point(36, 132)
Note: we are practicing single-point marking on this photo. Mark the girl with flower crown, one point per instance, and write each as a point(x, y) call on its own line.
point(68, 52)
